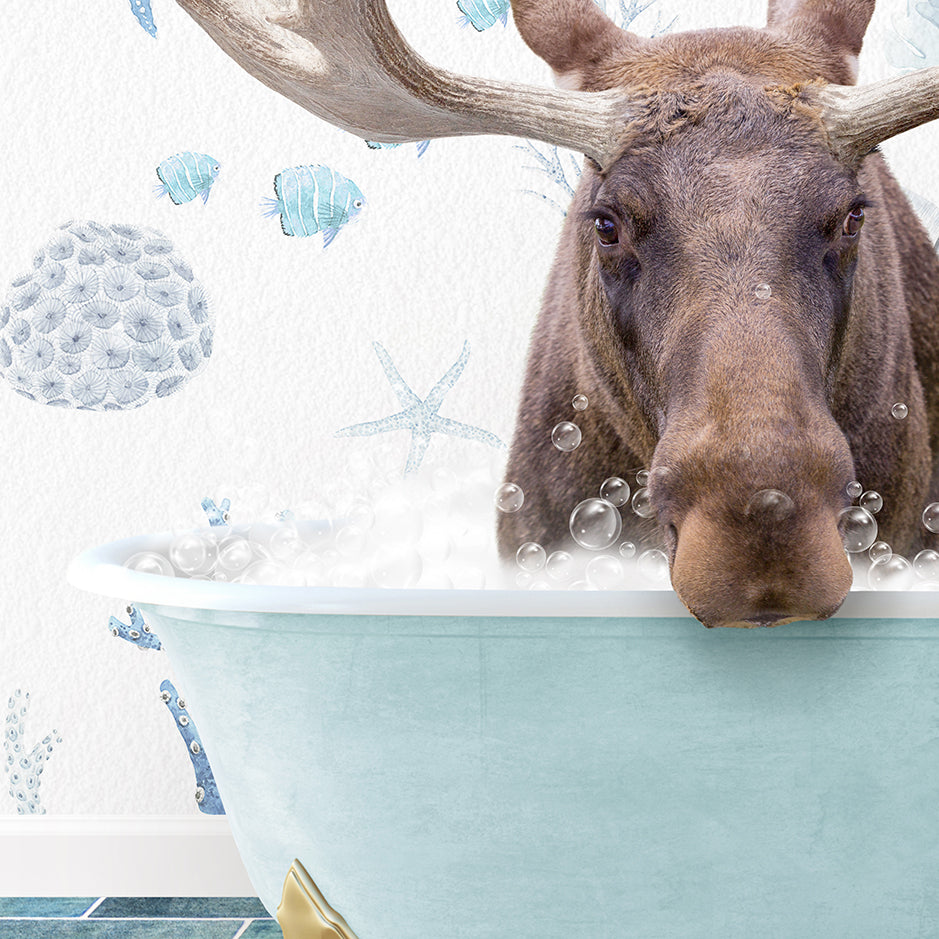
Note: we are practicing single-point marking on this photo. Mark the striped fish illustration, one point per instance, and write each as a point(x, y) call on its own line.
point(422, 146)
point(313, 199)
point(481, 14)
point(186, 175)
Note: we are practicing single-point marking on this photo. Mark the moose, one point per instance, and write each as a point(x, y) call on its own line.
point(741, 288)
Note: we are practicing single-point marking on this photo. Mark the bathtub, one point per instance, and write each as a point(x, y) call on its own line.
point(544, 765)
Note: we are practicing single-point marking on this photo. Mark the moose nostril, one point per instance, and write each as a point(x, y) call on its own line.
point(771, 505)
point(767, 619)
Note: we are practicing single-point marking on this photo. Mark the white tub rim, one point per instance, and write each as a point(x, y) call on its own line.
point(100, 570)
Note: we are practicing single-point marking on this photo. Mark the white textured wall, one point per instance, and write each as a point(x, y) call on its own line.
point(450, 248)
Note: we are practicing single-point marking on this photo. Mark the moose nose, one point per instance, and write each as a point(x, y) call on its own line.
point(770, 564)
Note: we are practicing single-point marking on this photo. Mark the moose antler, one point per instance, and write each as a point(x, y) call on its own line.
point(346, 62)
point(858, 118)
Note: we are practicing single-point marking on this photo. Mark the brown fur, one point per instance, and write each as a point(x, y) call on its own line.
point(724, 182)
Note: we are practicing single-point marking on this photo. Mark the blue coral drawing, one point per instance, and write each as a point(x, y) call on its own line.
point(137, 632)
point(314, 198)
point(420, 416)
point(207, 797)
point(109, 317)
point(186, 175)
point(24, 767)
point(218, 515)
point(141, 9)
point(913, 39)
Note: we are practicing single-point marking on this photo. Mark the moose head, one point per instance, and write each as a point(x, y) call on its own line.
point(741, 288)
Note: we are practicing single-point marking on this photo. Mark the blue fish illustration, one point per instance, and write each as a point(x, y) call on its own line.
point(187, 175)
point(422, 146)
point(314, 198)
point(481, 14)
point(141, 9)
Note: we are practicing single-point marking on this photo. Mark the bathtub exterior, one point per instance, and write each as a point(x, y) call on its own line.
point(449, 777)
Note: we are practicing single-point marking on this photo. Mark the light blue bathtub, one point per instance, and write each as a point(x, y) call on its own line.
point(451, 764)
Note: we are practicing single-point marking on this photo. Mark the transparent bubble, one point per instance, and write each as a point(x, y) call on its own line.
point(539, 585)
point(190, 553)
point(763, 291)
point(615, 490)
point(642, 477)
point(362, 515)
point(234, 554)
point(524, 580)
point(566, 436)
point(350, 541)
point(509, 497)
point(396, 519)
point(285, 542)
point(653, 565)
point(926, 565)
point(149, 562)
point(580, 402)
point(395, 566)
point(872, 501)
point(771, 504)
point(627, 550)
point(893, 573)
point(261, 572)
point(878, 550)
point(853, 489)
point(604, 572)
point(560, 566)
point(311, 568)
point(899, 411)
point(642, 504)
point(595, 524)
point(531, 556)
point(434, 544)
point(349, 575)
point(931, 516)
point(858, 529)
point(469, 577)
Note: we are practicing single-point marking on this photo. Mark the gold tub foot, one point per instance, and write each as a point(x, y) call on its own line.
point(303, 912)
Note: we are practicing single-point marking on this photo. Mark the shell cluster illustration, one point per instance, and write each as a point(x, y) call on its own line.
point(110, 317)
point(24, 767)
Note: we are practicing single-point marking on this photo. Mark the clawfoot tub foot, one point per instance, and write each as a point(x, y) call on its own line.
point(303, 912)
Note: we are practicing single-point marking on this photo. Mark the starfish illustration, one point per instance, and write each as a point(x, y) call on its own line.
point(420, 417)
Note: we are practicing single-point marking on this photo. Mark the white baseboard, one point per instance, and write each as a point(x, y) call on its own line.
point(120, 855)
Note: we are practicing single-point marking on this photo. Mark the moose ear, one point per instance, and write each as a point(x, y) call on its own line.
point(575, 37)
point(839, 25)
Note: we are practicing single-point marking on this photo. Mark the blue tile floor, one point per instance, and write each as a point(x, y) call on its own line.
point(136, 918)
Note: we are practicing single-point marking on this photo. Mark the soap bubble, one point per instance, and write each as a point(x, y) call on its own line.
point(653, 565)
point(931, 516)
point(580, 402)
point(349, 575)
point(892, 573)
point(853, 489)
point(872, 501)
point(566, 436)
point(878, 550)
point(642, 504)
point(524, 580)
point(191, 553)
point(396, 519)
point(926, 565)
point(395, 566)
point(350, 541)
point(763, 291)
point(235, 554)
point(604, 572)
point(509, 497)
point(858, 529)
point(362, 515)
point(771, 504)
point(531, 556)
point(285, 542)
point(310, 567)
point(150, 562)
point(560, 566)
point(595, 524)
point(469, 577)
point(615, 490)
point(642, 477)
point(261, 572)
point(627, 550)
point(899, 411)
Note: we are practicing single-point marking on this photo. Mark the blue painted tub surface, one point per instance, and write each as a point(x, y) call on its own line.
point(444, 770)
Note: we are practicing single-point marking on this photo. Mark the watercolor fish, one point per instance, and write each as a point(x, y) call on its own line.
point(141, 9)
point(187, 175)
point(422, 146)
point(313, 199)
point(481, 14)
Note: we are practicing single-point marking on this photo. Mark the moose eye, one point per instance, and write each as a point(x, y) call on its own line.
point(853, 222)
point(606, 231)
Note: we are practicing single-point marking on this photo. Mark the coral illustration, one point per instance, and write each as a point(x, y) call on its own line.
point(420, 416)
point(24, 769)
point(141, 9)
point(913, 41)
point(207, 795)
point(217, 514)
point(138, 632)
point(109, 317)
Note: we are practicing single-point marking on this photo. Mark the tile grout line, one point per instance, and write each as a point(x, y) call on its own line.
point(92, 908)
point(242, 929)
